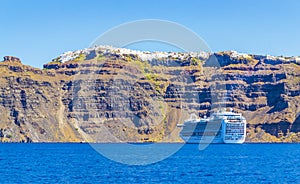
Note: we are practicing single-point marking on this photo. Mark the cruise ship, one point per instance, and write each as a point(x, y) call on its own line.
point(220, 127)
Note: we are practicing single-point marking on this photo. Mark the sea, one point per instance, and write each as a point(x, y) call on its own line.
point(217, 163)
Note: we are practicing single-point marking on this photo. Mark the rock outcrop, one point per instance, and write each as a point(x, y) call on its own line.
point(106, 94)
point(11, 59)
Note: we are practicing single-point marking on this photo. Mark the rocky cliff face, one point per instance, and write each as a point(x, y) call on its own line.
point(108, 94)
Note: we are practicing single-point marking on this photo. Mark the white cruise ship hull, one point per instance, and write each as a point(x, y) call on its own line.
point(225, 127)
point(234, 142)
point(203, 140)
point(210, 140)
point(239, 141)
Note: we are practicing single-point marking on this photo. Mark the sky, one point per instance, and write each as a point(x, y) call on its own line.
point(39, 30)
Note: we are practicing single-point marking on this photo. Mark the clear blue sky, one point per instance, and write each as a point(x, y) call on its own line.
point(39, 30)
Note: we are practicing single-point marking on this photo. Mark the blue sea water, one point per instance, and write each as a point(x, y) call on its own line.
point(80, 163)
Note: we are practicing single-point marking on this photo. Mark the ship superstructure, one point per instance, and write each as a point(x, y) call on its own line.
point(220, 127)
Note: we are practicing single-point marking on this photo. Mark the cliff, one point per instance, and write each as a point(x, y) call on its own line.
point(106, 94)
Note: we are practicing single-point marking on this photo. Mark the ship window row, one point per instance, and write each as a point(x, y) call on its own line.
point(232, 138)
point(202, 134)
point(241, 132)
point(234, 134)
point(235, 131)
point(234, 125)
point(237, 128)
